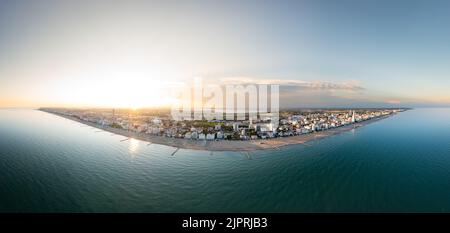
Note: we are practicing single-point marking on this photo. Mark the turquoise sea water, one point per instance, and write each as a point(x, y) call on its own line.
point(51, 164)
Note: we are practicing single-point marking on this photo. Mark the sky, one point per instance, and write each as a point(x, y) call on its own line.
point(131, 53)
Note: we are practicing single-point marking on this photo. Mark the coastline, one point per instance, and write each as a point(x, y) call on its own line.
point(228, 145)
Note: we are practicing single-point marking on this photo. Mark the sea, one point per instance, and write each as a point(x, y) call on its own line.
point(52, 164)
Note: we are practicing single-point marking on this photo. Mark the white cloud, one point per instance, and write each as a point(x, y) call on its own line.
point(313, 85)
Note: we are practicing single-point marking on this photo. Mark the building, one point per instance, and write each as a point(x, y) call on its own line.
point(236, 127)
point(210, 136)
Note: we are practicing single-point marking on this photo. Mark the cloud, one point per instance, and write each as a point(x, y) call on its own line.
point(295, 84)
point(393, 101)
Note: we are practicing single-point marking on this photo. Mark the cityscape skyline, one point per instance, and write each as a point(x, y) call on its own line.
point(131, 54)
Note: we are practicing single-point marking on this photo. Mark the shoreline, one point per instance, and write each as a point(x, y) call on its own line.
point(228, 145)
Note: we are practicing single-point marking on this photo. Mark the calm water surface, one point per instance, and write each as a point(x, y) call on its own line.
point(51, 164)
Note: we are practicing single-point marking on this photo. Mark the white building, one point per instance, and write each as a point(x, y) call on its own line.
point(236, 127)
point(210, 136)
point(153, 130)
point(156, 121)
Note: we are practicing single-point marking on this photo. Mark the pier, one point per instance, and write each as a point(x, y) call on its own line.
point(173, 153)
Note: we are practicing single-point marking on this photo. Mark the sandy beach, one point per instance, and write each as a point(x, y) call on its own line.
point(228, 145)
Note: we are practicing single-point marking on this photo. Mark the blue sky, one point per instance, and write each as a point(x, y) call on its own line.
point(390, 53)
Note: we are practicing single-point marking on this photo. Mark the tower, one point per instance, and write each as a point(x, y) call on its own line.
point(114, 115)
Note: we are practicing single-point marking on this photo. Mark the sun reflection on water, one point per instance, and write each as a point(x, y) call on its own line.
point(133, 146)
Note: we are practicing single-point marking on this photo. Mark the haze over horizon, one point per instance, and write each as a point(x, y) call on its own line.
point(132, 53)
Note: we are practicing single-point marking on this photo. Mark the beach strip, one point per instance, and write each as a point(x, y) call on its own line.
point(228, 145)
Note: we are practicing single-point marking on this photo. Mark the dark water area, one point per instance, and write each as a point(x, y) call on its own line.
point(52, 164)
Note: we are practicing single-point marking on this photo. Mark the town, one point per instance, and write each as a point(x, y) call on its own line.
point(158, 122)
